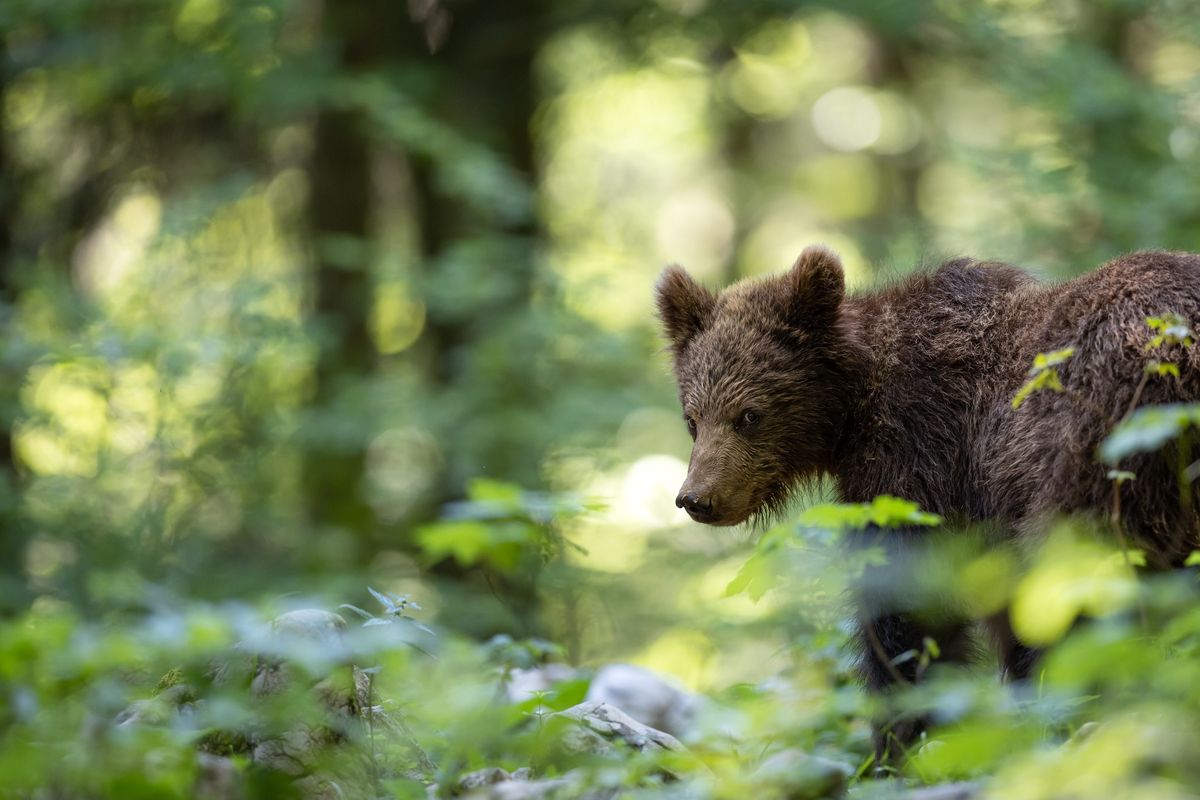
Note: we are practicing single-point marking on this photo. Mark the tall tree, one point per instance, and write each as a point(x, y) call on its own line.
point(13, 587)
point(485, 85)
point(340, 227)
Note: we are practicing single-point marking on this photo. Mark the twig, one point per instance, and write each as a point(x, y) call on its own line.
point(882, 655)
point(1117, 522)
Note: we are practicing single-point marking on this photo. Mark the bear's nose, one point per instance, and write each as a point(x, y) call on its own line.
point(694, 504)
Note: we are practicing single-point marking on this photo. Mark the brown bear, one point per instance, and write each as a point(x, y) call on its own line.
point(908, 391)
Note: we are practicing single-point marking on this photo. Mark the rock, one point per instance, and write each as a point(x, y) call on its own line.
point(292, 752)
point(321, 626)
point(646, 696)
point(489, 776)
point(217, 778)
point(895, 790)
point(157, 710)
point(305, 645)
point(497, 784)
point(945, 791)
point(297, 750)
point(540, 790)
point(801, 776)
point(601, 724)
point(525, 683)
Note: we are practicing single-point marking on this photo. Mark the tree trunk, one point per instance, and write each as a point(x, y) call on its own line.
point(489, 90)
point(340, 224)
point(14, 592)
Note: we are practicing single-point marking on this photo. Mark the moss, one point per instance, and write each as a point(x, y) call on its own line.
point(173, 677)
point(225, 743)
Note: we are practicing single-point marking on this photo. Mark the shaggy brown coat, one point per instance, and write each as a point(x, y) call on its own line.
point(908, 391)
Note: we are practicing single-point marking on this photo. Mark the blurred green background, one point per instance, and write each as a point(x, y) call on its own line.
point(299, 297)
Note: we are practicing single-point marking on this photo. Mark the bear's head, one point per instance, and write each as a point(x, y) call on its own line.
point(760, 383)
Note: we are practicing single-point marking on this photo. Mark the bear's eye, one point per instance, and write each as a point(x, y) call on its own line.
point(691, 426)
point(747, 419)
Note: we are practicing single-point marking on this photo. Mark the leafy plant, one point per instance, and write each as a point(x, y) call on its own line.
point(763, 570)
point(1043, 375)
point(885, 511)
point(1169, 330)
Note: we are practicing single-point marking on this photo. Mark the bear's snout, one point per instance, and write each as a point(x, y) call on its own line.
point(699, 507)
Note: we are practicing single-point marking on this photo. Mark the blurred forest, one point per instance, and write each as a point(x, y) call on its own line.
point(302, 297)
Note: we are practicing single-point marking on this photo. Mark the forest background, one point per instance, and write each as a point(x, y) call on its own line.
point(299, 298)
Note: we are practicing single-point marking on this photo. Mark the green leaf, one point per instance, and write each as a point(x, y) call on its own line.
point(486, 490)
point(466, 542)
point(836, 516)
point(890, 511)
point(1172, 329)
point(562, 696)
point(1193, 559)
point(356, 610)
point(472, 542)
point(885, 510)
point(1052, 359)
point(931, 647)
point(756, 577)
point(1148, 429)
point(1043, 375)
point(1162, 369)
point(382, 598)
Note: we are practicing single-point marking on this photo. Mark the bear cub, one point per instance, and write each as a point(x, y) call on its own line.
point(908, 391)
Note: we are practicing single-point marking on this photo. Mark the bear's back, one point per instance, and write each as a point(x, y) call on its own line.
point(937, 340)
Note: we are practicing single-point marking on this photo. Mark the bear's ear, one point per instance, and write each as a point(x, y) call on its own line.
point(684, 306)
point(815, 285)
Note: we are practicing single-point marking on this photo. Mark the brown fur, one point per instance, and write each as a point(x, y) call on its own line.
point(907, 391)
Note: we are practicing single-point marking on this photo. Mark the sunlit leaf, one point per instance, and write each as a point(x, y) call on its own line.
point(756, 577)
point(1162, 369)
point(1172, 329)
point(885, 511)
point(1073, 575)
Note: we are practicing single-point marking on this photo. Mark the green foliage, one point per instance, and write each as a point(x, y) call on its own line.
point(500, 526)
point(1149, 429)
point(1109, 677)
point(764, 570)
point(511, 654)
point(396, 610)
point(1170, 330)
point(1043, 374)
point(885, 511)
point(759, 574)
point(1162, 369)
point(471, 543)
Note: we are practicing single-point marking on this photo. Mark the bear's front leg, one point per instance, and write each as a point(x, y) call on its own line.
point(1018, 662)
point(905, 628)
point(896, 651)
